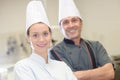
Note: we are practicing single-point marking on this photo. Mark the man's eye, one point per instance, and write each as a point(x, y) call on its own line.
point(74, 20)
point(65, 22)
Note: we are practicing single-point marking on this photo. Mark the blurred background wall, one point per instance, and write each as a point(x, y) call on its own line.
point(100, 22)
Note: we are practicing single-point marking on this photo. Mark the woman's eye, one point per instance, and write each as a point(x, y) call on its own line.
point(35, 35)
point(45, 33)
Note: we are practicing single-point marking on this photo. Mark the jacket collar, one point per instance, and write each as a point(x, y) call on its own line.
point(68, 41)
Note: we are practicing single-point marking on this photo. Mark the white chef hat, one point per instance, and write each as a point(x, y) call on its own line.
point(35, 13)
point(67, 8)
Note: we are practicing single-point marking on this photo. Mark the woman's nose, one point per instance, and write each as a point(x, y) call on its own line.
point(41, 38)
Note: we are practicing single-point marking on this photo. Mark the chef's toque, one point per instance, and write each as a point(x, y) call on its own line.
point(67, 8)
point(35, 13)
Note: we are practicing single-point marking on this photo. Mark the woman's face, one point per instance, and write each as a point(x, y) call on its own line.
point(39, 37)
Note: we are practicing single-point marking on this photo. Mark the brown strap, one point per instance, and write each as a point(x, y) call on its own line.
point(91, 55)
point(55, 55)
point(90, 51)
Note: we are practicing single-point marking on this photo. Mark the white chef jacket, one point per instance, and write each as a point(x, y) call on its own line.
point(35, 68)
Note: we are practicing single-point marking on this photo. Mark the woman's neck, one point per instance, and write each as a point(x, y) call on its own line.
point(43, 54)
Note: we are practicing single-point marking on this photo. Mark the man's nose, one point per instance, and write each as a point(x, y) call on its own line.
point(71, 24)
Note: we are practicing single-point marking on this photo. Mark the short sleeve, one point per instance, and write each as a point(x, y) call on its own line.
point(101, 54)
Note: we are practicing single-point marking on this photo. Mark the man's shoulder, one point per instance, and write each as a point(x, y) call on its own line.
point(94, 44)
point(59, 48)
point(91, 42)
point(59, 45)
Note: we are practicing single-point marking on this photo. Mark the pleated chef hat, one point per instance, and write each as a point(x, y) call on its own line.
point(67, 8)
point(35, 13)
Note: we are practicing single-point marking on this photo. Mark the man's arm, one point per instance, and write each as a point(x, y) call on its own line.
point(105, 72)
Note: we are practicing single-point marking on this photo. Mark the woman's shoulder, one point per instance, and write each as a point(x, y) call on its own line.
point(22, 63)
point(59, 63)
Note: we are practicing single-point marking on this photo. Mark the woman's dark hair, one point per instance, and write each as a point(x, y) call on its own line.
point(28, 31)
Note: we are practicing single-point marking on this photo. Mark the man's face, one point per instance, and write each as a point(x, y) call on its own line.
point(71, 27)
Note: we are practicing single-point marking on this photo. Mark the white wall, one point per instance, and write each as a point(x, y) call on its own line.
point(101, 19)
point(12, 15)
point(101, 22)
